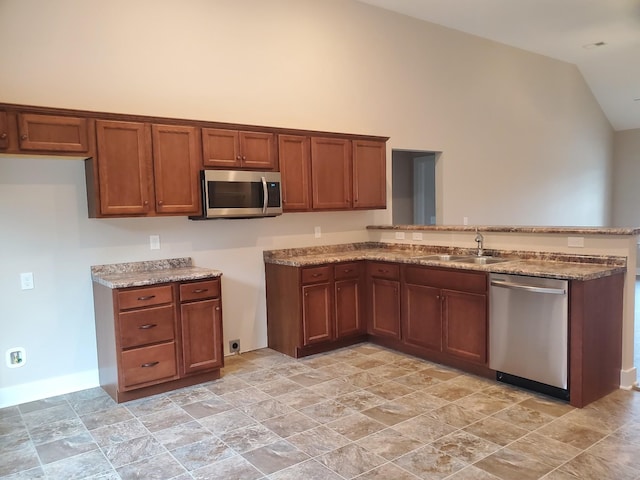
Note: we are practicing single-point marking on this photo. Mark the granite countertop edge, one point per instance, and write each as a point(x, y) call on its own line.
point(548, 265)
point(576, 230)
point(139, 274)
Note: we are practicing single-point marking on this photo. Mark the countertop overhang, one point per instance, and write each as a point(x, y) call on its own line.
point(139, 274)
point(577, 230)
point(560, 266)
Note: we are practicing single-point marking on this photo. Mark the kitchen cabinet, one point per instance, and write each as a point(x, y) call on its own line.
point(314, 309)
point(4, 130)
point(201, 326)
point(53, 133)
point(144, 169)
point(369, 174)
point(157, 338)
point(384, 299)
point(295, 167)
point(445, 311)
point(232, 149)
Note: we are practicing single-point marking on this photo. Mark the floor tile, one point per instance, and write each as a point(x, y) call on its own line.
point(387, 471)
point(209, 406)
point(389, 444)
point(318, 441)
point(66, 447)
point(159, 467)
point(509, 464)
point(181, 435)
point(290, 424)
point(496, 430)
point(79, 466)
point(465, 446)
point(122, 453)
point(430, 463)
point(586, 465)
point(350, 460)
point(248, 438)
point(308, 470)
point(276, 456)
point(356, 426)
point(202, 453)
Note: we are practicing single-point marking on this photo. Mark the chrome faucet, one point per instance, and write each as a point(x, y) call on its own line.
point(479, 240)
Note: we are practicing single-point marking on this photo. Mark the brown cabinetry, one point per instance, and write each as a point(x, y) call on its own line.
point(369, 174)
point(384, 303)
point(144, 169)
point(53, 133)
point(4, 130)
point(331, 173)
point(313, 309)
point(201, 326)
point(295, 167)
point(157, 338)
point(239, 149)
point(445, 311)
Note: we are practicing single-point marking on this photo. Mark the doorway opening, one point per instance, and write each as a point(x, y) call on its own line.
point(413, 175)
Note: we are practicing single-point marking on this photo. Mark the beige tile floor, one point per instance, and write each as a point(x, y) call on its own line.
point(361, 412)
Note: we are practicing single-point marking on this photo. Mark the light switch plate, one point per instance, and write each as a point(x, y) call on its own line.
point(26, 280)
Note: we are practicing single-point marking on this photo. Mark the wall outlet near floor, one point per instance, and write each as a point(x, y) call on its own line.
point(26, 280)
point(16, 357)
point(234, 346)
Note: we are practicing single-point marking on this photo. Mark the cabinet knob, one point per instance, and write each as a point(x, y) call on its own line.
point(238, 157)
point(3, 135)
point(23, 137)
point(244, 158)
point(339, 288)
point(160, 202)
point(146, 202)
point(218, 309)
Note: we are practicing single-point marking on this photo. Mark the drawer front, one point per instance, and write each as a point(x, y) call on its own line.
point(450, 279)
point(149, 364)
point(316, 274)
point(149, 325)
point(347, 270)
point(145, 297)
point(383, 270)
point(200, 290)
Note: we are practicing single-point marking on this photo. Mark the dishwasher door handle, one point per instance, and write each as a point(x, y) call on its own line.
point(528, 288)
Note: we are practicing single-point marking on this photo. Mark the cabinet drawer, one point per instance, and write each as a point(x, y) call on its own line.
point(449, 279)
point(346, 270)
point(145, 297)
point(316, 274)
point(383, 270)
point(149, 364)
point(149, 325)
point(199, 290)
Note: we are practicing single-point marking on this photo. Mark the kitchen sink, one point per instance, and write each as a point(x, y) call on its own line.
point(444, 257)
point(484, 260)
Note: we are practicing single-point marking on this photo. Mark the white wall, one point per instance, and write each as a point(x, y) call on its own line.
point(524, 142)
point(626, 194)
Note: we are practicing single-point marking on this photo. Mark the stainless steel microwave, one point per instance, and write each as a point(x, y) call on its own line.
point(240, 194)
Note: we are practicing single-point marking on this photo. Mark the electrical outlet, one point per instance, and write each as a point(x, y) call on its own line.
point(154, 242)
point(465, 220)
point(234, 346)
point(16, 357)
point(575, 242)
point(416, 236)
point(399, 235)
point(26, 280)
point(317, 232)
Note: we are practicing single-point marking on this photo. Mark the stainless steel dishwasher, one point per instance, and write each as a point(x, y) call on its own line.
point(528, 332)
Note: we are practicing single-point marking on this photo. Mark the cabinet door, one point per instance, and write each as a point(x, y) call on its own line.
point(258, 151)
point(220, 148)
point(316, 313)
point(465, 325)
point(385, 308)
point(369, 174)
point(347, 308)
point(176, 167)
point(201, 327)
point(124, 168)
point(53, 133)
point(4, 130)
point(331, 173)
point(295, 168)
point(422, 320)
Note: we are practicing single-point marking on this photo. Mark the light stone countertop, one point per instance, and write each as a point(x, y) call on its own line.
point(138, 274)
point(560, 266)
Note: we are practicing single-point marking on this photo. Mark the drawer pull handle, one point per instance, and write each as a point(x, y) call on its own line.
point(148, 326)
point(200, 290)
point(146, 297)
point(150, 364)
point(383, 270)
point(316, 275)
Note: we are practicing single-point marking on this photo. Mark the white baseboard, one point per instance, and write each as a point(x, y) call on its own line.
point(50, 387)
point(628, 378)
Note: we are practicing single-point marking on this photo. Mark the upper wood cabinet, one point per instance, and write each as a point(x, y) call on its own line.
point(146, 169)
point(295, 168)
point(176, 167)
point(4, 130)
point(369, 174)
point(52, 133)
point(124, 168)
point(239, 149)
point(331, 173)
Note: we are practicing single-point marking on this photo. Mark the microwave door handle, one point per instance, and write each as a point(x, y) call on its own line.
point(265, 195)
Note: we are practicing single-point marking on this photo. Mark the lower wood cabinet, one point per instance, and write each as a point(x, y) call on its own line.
point(446, 312)
point(314, 309)
point(384, 299)
point(157, 338)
